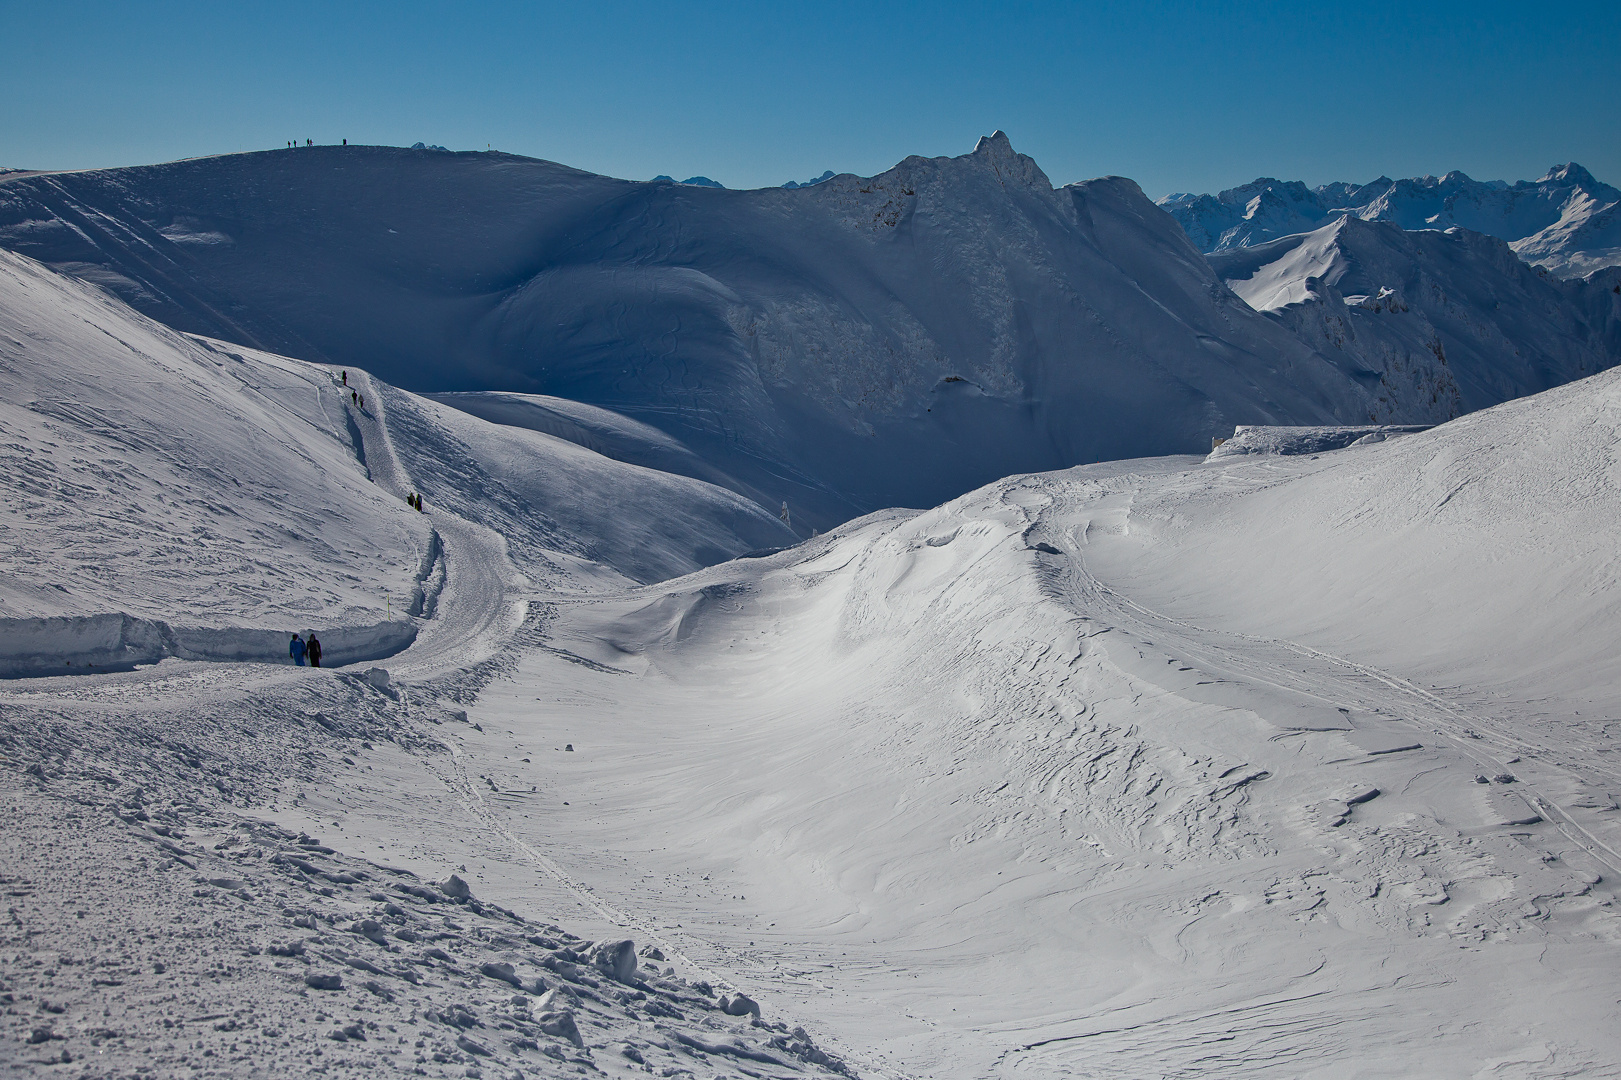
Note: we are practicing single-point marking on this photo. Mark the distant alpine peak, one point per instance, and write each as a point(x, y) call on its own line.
point(997, 151)
point(1569, 173)
point(824, 178)
point(996, 144)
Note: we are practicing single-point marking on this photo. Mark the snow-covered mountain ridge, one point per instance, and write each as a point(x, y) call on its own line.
point(1566, 220)
point(1453, 320)
point(858, 343)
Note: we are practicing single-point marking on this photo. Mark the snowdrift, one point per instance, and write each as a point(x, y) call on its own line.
point(1479, 553)
point(84, 644)
point(1272, 766)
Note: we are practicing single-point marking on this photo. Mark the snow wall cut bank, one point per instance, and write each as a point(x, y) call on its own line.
point(68, 645)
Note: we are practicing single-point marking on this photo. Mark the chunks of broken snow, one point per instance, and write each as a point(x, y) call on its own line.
point(276, 941)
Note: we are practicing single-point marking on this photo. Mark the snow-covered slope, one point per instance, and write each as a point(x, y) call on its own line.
point(164, 477)
point(859, 343)
point(1566, 221)
point(194, 486)
point(1261, 767)
point(1439, 323)
point(545, 495)
point(608, 433)
point(1480, 554)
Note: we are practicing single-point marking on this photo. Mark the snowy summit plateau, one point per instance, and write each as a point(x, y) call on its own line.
point(935, 625)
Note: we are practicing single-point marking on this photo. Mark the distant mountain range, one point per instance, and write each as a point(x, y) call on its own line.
point(1454, 318)
point(1566, 221)
point(828, 175)
point(704, 181)
point(695, 181)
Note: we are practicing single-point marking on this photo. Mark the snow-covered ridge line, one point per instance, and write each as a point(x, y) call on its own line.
point(891, 340)
point(1436, 323)
point(86, 644)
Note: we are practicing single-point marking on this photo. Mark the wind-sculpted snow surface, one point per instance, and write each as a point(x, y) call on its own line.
point(1271, 766)
point(859, 343)
point(1566, 221)
point(1479, 554)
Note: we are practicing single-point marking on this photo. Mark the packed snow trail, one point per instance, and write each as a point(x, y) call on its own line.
point(241, 948)
point(467, 793)
point(477, 604)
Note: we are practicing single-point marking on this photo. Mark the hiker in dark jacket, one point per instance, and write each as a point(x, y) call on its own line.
point(313, 649)
point(296, 649)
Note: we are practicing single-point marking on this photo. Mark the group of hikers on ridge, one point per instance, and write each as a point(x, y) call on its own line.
point(299, 649)
point(355, 397)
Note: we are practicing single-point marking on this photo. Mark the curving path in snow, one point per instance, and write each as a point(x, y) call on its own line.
point(476, 596)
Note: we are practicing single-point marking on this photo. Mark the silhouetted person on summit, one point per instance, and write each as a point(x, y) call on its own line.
point(313, 649)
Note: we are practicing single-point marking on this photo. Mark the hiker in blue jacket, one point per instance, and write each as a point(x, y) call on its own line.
point(295, 649)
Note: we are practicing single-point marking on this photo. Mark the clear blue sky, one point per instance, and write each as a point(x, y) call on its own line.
point(1180, 97)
